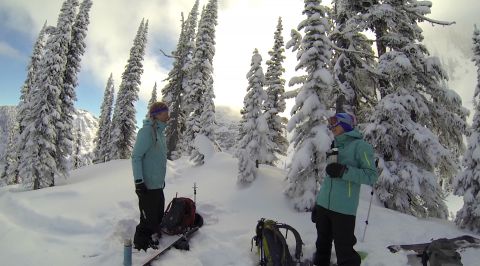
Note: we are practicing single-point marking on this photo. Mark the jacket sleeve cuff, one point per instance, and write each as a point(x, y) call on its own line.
point(138, 181)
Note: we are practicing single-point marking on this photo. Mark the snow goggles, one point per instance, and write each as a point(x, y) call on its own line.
point(159, 110)
point(343, 119)
point(332, 122)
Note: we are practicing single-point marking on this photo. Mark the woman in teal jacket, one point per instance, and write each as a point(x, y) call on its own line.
point(351, 164)
point(149, 165)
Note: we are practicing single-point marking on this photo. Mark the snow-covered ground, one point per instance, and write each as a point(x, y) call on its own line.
point(84, 220)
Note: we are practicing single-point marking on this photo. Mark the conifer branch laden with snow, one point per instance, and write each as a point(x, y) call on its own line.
point(311, 138)
point(122, 134)
point(467, 183)
point(253, 128)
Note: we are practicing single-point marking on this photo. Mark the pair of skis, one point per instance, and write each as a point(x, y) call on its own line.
point(179, 241)
point(464, 241)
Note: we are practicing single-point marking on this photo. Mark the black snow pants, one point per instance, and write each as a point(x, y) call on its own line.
point(152, 207)
point(339, 228)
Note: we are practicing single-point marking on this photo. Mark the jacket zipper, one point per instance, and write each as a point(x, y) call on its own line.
point(349, 189)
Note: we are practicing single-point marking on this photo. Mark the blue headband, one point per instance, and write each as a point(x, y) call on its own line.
point(160, 110)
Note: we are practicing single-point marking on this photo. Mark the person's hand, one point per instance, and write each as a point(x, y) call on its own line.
point(140, 188)
point(335, 170)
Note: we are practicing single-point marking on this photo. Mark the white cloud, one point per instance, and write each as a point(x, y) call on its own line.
point(243, 25)
point(9, 51)
point(453, 44)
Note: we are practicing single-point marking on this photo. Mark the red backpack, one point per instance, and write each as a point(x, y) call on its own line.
point(179, 216)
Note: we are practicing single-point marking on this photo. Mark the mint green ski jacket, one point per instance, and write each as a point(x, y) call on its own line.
point(341, 194)
point(149, 156)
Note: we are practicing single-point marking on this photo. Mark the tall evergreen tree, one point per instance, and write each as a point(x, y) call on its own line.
point(467, 183)
point(12, 169)
point(275, 102)
point(153, 99)
point(124, 122)
point(416, 112)
point(308, 123)
point(76, 49)
point(354, 67)
point(38, 162)
point(254, 126)
point(173, 93)
point(199, 86)
point(102, 139)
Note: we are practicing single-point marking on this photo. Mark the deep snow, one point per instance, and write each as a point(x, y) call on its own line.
point(85, 219)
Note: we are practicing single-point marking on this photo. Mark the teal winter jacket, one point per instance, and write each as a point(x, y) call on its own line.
point(149, 156)
point(342, 194)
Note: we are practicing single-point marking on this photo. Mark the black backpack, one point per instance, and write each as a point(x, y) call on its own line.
point(180, 216)
point(272, 245)
point(441, 252)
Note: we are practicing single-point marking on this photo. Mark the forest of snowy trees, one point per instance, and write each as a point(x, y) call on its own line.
point(398, 93)
point(363, 57)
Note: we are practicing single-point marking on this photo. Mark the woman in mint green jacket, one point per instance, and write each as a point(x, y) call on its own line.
point(351, 164)
point(149, 165)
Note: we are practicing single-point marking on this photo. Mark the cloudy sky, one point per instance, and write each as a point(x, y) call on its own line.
point(243, 25)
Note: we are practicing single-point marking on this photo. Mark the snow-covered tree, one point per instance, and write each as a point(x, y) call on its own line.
point(76, 49)
point(308, 123)
point(102, 139)
point(354, 67)
point(38, 163)
point(199, 84)
point(10, 157)
point(77, 153)
point(275, 102)
point(467, 183)
point(173, 93)
point(418, 124)
point(23, 106)
point(122, 133)
point(153, 98)
point(252, 145)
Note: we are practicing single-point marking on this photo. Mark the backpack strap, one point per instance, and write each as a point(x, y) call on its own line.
point(298, 239)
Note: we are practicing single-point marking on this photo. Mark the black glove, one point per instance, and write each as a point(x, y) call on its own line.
point(140, 188)
point(335, 170)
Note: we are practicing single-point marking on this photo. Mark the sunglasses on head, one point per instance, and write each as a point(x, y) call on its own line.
point(159, 110)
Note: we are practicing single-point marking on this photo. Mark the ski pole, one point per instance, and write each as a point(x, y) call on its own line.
point(195, 192)
point(368, 215)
